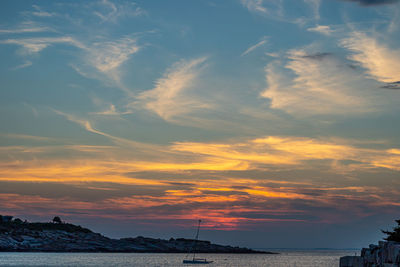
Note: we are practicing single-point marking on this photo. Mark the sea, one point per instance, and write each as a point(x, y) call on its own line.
point(285, 258)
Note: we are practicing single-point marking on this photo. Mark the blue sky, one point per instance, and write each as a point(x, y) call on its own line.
point(256, 116)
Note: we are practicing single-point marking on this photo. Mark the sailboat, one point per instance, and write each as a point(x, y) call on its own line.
point(195, 260)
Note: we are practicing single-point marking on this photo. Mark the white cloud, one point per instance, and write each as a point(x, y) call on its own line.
point(87, 125)
point(27, 26)
point(253, 47)
point(104, 57)
point(41, 13)
point(254, 5)
point(274, 9)
point(24, 65)
point(321, 85)
point(26, 30)
point(111, 12)
point(35, 45)
point(381, 62)
point(141, 148)
point(323, 29)
point(271, 7)
point(110, 111)
point(30, 46)
point(272, 54)
point(169, 99)
point(108, 56)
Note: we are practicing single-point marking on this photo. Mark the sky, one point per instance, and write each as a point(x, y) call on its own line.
point(276, 122)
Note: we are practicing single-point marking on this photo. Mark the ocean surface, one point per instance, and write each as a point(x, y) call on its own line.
point(286, 258)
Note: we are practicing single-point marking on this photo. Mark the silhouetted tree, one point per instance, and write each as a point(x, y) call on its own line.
point(57, 220)
point(393, 235)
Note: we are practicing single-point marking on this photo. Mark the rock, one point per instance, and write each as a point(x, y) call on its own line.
point(50, 237)
point(386, 254)
point(351, 261)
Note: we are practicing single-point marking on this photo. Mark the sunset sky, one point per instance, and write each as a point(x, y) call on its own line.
point(276, 122)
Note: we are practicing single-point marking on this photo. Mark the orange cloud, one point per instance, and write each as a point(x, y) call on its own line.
point(104, 164)
point(224, 201)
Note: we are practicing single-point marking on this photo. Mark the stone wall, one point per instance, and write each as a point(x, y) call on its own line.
point(386, 254)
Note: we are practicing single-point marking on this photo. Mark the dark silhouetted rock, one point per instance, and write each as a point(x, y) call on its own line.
point(386, 254)
point(65, 237)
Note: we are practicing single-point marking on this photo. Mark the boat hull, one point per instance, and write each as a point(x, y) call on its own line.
point(200, 261)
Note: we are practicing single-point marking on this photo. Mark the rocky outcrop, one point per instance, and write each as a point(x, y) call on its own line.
point(53, 237)
point(386, 254)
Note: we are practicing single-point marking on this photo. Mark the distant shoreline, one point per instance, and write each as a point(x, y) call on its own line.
point(140, 252)
point(59, 237)
point(305, 249)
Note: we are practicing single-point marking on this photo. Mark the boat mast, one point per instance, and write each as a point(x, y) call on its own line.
point(195, 242)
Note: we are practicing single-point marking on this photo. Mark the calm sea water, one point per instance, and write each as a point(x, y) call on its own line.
point(317, 258)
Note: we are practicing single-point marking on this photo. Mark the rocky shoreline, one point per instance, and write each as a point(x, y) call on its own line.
point(18, 236)
point(385, 254)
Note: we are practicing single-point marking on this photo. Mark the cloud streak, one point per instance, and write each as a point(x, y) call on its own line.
point(25, 30)
point(322, 29)
point(253, 47)
point(27, 63)
point(254, 5)
point(272, 9)
point(108, 57)
point(189, 179)
point(39, 12)
point(226, 204)
point(35, 45)
point(111, 12)
point(169, 98)
point(321, 85)
point(380, 62)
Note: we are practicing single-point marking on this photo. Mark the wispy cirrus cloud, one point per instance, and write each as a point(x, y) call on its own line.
point(109, 175)
point(169, 98)
point(322, 84)
point(39, 12)
point(101, 58)
point(103, 61)
point(323, 29)
point(123, 146)
point(110, 111)
point(253, 47)
point(27, 29)
point(223, 204)
point(183, 180)
point(35, 45)
point(107, 58)
point(281, 151)
point(27, 63)
point(272, 9)
point(111, 12)
point(380, 62)
point(255, 6)
point(87, 125)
